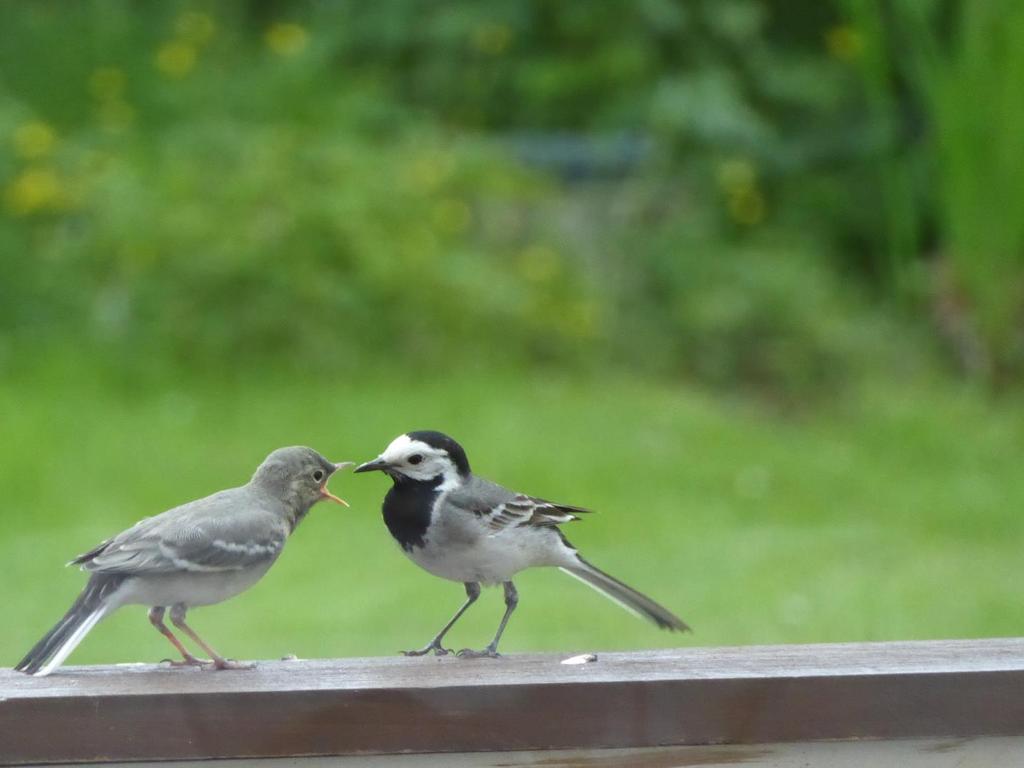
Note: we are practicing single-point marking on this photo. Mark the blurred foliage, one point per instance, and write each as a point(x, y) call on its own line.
point(955, 70)
point(710, 189)
point(725, 318)
point(203, 218)
point(277, 241)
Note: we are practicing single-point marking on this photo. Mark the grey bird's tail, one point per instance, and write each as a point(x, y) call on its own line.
point(57, 644)
point(633, 601)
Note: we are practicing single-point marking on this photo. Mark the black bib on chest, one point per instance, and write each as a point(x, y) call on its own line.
point(407, 510)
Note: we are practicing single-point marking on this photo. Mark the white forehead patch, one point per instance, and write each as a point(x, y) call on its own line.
point(435, 460)
point(400, 447)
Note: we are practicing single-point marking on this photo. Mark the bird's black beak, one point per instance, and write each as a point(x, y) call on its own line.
point(377, 465)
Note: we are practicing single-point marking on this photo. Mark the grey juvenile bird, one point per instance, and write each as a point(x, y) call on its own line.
point(461, 527)
point(200, 553)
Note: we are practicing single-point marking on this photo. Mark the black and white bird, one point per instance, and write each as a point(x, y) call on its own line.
point(199, 553)
point(462, 527)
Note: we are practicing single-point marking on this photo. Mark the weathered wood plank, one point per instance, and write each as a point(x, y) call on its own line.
point(984, 752)
point(751, 695)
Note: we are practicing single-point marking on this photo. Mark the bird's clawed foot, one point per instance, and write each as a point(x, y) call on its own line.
point(434, 645)
point(219, 663)
point(487, 653)
point(188, 661)
point(207, 664)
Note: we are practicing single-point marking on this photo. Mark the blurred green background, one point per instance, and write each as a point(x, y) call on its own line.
point(746, 276)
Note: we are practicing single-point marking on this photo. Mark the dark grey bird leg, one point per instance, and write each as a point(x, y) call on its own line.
point(472, 593)
point(491, 651)
point(156, 618)
point(219, 662)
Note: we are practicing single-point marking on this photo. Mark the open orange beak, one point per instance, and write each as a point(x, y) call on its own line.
point(324, 493)
point(331, 497)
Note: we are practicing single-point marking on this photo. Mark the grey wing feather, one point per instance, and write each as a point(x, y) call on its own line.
point(479, 496)
point(224, 532)
point(504, 509)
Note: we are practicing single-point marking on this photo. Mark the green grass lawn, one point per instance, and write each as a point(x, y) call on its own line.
point(891, 515)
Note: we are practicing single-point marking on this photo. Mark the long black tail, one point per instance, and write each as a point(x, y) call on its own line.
point(625, 595)
point(55, 646)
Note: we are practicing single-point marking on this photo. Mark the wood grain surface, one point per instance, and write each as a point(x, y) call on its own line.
point(702, 696)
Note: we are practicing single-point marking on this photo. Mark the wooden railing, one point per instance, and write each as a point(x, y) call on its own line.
point(756, 705)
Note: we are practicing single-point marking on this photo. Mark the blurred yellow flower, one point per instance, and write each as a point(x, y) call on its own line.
point(286, 38)
point(176, 58)
point(34, 139)
point(428, 171)
point(116, 115)
point(35, 190)
point(452, 216)
point(107, 83)
point(419, 246)
point(580, 319)
point(491, 38)
point(195, 27)
point(844, 42)
point(540, 264)
point(736, 175)
point(747, 207)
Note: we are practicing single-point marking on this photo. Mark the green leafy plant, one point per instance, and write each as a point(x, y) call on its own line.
point(965, 77)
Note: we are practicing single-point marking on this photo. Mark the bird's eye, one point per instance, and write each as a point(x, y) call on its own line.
point(318, 475)
point(416, 458)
